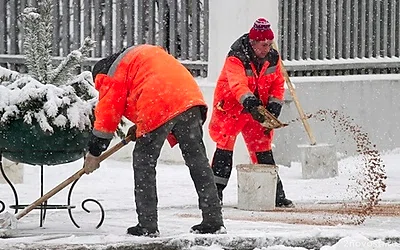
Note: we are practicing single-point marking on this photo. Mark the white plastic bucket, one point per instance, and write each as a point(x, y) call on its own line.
point(256, 186)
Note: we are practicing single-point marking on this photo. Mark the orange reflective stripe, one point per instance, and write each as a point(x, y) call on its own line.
point(114, 66)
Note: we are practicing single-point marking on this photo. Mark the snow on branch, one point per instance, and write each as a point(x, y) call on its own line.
point(38, 36)
point(66, 68)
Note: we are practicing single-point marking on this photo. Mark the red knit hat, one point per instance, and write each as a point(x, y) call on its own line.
point(261, 30)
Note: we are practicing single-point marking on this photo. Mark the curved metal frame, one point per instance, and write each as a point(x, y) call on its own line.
point(43, 207)
point(83, 206)
point(3, 206)
point(3, 173)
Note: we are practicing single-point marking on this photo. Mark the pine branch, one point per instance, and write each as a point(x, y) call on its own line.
point(38, 37)
point(31, 22)
point(64, 72)
point(45, 10)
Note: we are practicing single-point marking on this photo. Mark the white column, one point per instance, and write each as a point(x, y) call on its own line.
point(229, 19)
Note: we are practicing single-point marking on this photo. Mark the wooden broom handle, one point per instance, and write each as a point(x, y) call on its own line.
point(297, 103)
point(71, 179)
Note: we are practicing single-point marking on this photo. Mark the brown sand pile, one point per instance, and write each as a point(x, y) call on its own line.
point(371, 181)
point(370, 184)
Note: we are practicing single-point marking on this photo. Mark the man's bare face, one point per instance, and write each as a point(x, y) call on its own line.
point(261, 48)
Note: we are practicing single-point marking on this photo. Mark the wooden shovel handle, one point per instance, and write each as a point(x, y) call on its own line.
point(115, 148)
point(71, 179)
point(297, 103)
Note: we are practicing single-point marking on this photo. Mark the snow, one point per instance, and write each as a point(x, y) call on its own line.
point(112, 186)
point(8, 73)
point(22, 88)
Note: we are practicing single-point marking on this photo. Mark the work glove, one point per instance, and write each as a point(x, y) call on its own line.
point(274, 108)
point(97, 145)
point(132, 132)
point(251, 104)
point(267, 131)
point(91, 163)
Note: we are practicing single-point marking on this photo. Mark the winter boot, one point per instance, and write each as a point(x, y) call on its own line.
point(281, 200)
point(204, 228)
point(212, 223)
point(284, 203)
point(141, 231)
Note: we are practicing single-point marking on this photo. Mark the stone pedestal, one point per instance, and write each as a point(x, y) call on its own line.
point(14, 172)
point(318, 161)
point(256, 186)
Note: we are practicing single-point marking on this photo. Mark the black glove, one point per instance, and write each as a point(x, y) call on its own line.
point(251, 104)
point(274, 108)
point(98, 145)
point(267, 131)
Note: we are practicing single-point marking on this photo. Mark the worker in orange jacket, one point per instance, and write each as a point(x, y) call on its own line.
point(251, 77)
point(159, 95)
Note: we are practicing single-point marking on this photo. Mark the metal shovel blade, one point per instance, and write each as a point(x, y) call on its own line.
point(8, 223)
point(271, 122)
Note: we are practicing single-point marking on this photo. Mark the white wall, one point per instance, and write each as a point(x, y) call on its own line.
point(370, 100)
point(230, 19)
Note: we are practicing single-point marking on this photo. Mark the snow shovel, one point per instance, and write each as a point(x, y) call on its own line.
point(8, 222)
point(271, 122)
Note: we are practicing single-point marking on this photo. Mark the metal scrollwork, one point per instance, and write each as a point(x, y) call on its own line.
point(3, 173)
point(43, 207)
point(83, 207)
point(2, 206)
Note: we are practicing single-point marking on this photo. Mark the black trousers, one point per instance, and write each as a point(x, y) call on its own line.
point(187, 128)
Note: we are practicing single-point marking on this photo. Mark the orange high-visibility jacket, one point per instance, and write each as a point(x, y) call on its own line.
point(147, 86)
point(238, 78)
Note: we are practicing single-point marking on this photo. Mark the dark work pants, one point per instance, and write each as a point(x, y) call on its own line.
point(187, 128)
point(222, 167)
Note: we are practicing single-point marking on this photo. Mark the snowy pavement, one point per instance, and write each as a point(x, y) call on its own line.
point(112, 186)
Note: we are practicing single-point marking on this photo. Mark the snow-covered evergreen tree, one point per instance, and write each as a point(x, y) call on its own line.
point(50, 96)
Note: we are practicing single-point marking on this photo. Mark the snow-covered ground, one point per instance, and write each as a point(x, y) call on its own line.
point(112, 185)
